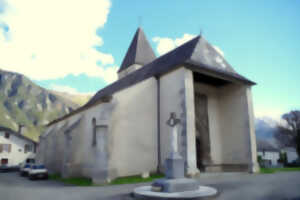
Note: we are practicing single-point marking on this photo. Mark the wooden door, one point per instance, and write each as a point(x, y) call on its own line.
point(202, 130)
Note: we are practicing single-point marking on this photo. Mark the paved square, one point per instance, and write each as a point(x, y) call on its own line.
point(278, 186)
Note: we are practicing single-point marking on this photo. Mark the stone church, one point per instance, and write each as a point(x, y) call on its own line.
point(122, 130)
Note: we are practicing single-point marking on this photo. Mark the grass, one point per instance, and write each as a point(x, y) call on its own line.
point(81, 181)
point(274, 170)
point(78, 181)
point(135, 179)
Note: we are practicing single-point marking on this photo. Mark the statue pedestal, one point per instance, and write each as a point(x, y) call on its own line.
point(175, 180)
point(174, 185)
point(174, 166)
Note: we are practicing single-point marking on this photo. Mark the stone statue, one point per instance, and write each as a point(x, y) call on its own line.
point(174, 185)
point(172, 122)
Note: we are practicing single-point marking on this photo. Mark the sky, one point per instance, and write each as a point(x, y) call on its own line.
point(78, 46)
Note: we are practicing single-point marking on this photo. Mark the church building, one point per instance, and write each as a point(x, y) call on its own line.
point(122, 130)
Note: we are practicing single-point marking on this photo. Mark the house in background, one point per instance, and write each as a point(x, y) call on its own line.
point(122, 130)
point(15, 147)
point(291, 154)
point(269, 154)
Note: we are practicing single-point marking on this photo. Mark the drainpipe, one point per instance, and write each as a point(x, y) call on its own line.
point(158, 124)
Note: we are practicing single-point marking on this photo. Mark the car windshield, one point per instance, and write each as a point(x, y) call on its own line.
point(41, 167)
point(30, 160)
point(38, 167)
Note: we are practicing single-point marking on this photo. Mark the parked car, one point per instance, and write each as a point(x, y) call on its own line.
point(24, 169)
point(37, 171)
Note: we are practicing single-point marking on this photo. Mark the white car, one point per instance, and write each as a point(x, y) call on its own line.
point(24, 166)
point(24, 169)
point(38, 171)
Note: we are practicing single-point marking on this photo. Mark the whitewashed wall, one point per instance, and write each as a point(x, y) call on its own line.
point(269, 155)
point(291, 154)
point(177, 95)
point(130, 137)
point(133, 133)
point(237, 125)
point(15, 157)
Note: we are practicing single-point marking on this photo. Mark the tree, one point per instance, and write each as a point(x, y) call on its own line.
point(289, 134)
point(282, 158)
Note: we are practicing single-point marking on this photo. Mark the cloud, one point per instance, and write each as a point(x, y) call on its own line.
point(50, 39)
point(166, 44)
point(2, 6)
point(68, 89)
point(186, 37)
point(273, 113)
point(63, 88)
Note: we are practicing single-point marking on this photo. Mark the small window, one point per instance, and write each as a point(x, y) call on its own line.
point(6, 148)
point(6, 135)
point(30, 160)
point(4, 161)
point(94, 140)
point(27, 148)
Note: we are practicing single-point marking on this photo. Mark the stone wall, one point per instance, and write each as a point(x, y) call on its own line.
point(126, 137)
point(133, 138)
point(231, 127)
point(237, 126)
point(177, 95)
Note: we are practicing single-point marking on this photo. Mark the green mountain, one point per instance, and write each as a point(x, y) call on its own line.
point(24, 102)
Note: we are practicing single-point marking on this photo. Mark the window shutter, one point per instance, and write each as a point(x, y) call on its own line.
point(9, 148)
point(1, 148)
point(25, 148)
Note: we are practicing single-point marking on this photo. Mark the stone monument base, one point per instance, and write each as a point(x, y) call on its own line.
point(202, 192)
point(174, 185)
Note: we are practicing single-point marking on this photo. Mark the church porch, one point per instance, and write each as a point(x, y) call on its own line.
point(223, 124)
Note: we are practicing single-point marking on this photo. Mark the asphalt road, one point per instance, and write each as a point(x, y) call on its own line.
point(279, 186)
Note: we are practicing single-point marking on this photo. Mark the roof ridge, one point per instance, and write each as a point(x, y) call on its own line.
point(187, 53)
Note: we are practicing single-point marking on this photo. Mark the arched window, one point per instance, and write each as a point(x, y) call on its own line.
point(94, 142)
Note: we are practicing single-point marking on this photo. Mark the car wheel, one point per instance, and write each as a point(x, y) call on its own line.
point(31, 177)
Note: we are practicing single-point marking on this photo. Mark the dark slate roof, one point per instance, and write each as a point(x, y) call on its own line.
point(196, 54)
point(10, 131)
point(139, 51)
point(265, 146)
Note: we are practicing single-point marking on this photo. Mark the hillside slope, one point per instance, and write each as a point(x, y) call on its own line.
point(24, 102)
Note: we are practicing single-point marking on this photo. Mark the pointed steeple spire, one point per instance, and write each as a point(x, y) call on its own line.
point(139, 51)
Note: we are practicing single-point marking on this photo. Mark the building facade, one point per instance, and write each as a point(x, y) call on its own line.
point(122, 130)
point(15, 147)
point(269, 154)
